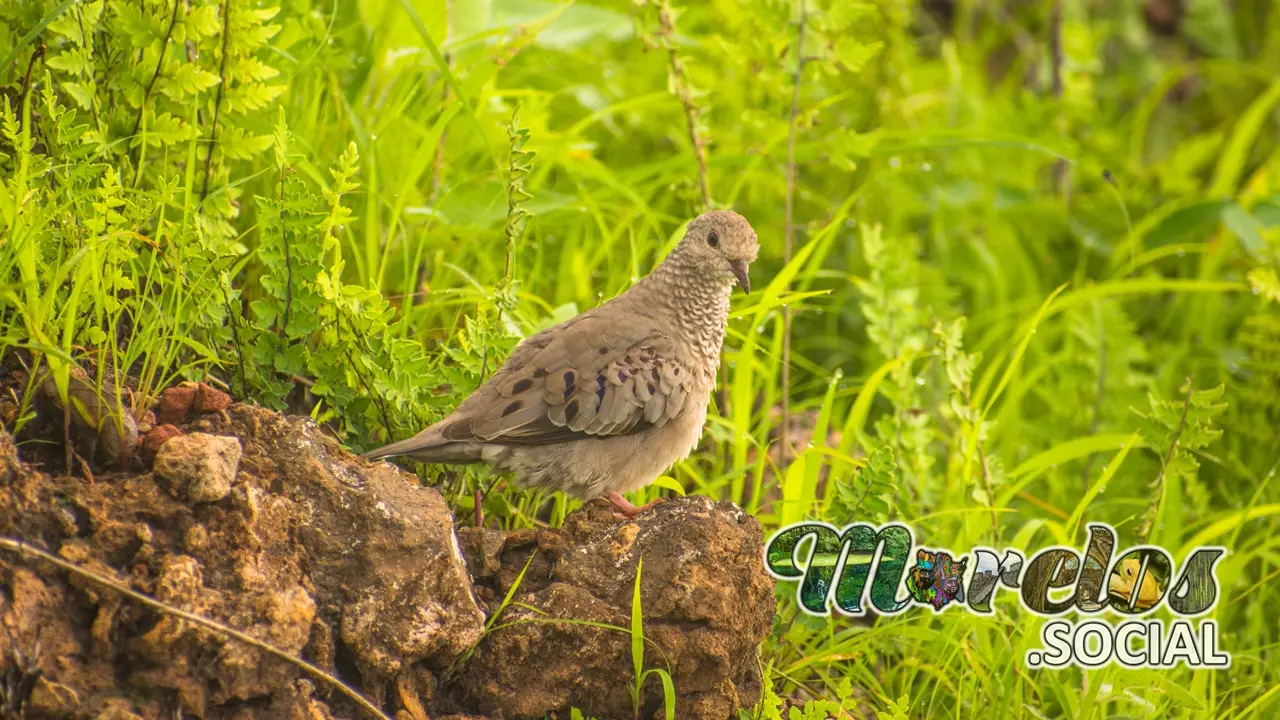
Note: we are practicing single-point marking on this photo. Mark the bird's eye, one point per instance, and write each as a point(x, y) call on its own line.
point(713, 239)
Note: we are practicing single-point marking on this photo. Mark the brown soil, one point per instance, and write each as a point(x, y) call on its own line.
point(354, 567)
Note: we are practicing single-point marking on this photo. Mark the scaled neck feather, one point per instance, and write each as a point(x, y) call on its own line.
point(691, 300)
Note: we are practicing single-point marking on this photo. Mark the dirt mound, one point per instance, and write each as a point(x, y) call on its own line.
point(261, 523)
point(705, 597)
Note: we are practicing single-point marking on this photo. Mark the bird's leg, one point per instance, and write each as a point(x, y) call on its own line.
point(624, 508)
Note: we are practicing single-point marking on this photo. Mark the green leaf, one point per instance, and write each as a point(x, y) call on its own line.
point(33, 33)
point(855, 55)
point(1265, 283)
point(1246, 228)
point(164, 129)
point(80, 92)
point(202, 22)
point(637, 629)
point(74, 61)
point(250, 97)
point(1226, 179)
point(186, 79)
point(237, 143)
point(669, 483)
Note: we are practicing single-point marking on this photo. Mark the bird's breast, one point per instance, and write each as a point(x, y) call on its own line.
point(703, 328)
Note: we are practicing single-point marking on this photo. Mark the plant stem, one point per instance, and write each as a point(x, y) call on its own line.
point(666, 29)
point(146, 95)
point(217, 102)
point(437, 163)
point(1144, 533)
point(1060, 167)
point(788, 238)
point(1100, 387)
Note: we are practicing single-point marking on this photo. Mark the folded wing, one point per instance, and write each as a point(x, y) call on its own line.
point(593, 377)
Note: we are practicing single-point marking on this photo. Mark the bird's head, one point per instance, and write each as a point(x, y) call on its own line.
point(722, 244)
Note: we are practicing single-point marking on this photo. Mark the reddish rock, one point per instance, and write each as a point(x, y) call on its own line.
point(154, 439)
point(208, 399)
point(175, 405)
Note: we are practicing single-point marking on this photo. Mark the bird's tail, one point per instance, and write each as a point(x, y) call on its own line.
point(404, 447)
point(429, 447)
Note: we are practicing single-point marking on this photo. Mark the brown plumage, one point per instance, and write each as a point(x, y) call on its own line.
point(603, 403)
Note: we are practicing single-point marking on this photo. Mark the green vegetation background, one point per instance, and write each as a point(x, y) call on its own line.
point(1033, 266)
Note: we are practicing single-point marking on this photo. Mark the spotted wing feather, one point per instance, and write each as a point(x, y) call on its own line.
point(595, 376)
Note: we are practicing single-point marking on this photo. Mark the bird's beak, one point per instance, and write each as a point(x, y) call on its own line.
point(739, 268)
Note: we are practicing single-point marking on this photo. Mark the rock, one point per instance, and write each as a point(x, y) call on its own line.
point(202, 464)
point(297, 702)
point(101, 422)
point(356, 567)
point(707, 603)
point(177, 403)
point(154, 439)
point(9, 412)
point(209, 399)
point(482, 548)
point(384, 553)
point(380, 548)
point(344, 562)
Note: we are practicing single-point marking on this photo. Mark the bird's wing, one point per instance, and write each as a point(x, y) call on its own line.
point(598, 375)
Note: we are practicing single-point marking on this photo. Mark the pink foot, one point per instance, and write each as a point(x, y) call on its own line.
point(624, 508)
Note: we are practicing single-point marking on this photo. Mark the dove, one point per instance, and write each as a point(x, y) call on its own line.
point(603, 403)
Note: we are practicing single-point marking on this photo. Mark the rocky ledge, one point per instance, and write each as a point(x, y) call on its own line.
point(259, 522)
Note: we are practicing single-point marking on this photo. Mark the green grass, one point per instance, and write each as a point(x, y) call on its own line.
point(349, 241)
